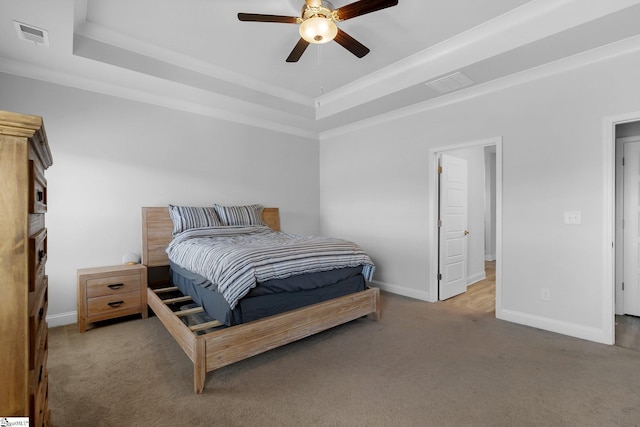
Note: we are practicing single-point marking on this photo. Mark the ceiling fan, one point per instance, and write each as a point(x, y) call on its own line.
point(318, 24)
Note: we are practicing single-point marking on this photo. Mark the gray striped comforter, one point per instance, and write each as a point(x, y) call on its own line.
point(235, 259)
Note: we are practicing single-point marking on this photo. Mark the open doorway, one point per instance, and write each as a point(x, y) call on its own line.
point(627, 235)
point(479, 235)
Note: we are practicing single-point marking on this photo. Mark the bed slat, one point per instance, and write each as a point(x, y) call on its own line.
point(163, 290)
point(205, 325)
point(176, 299)
point(189, 311)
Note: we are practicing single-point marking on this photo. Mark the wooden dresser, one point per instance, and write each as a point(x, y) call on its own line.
point(24, 156)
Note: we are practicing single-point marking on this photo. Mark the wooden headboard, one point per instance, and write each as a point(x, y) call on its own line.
point(157, 228)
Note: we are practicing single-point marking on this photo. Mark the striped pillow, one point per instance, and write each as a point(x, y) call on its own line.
point(187, 217)
point(240, 215)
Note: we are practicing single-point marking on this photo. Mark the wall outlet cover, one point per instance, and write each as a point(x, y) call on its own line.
point(573, 217)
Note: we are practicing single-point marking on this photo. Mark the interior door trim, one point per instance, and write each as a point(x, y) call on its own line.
point(608, 331)
point(433, 214)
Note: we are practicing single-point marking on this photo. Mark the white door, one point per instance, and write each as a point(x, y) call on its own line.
point(453, 227)
point(631, 229)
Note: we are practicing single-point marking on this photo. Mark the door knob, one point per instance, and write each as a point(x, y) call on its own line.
point(466, 232)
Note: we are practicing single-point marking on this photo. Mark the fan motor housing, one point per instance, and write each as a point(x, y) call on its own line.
point(323, 10)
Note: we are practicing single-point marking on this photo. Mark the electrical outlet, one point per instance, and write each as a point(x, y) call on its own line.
point(573, 217)
point(545, 294)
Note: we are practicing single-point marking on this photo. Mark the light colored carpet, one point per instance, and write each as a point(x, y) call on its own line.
point(422, 365)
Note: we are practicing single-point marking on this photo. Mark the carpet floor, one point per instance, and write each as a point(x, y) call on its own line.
point(422, 365)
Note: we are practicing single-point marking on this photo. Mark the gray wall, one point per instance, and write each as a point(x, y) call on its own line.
point(112, 156)
point(551, 121)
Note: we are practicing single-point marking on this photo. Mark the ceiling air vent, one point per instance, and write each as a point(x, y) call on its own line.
point(450, 83)
point(32, 34)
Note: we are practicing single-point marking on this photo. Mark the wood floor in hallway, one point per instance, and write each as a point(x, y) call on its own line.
point(481, 296)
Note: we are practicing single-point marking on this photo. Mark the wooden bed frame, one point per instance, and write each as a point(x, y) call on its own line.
point(221, 347)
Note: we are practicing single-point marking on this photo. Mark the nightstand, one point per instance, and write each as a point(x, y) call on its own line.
point(110, 292)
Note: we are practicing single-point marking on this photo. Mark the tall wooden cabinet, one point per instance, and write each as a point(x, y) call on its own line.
point(24, 157)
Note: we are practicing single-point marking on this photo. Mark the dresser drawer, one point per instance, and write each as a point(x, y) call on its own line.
point(38, 304)
point(38, 374)
point(37, 258)
point(36, 223)
point(37, 189)
point(39, 393)
point(104, 307)
point(104, 286)
point(40, 406)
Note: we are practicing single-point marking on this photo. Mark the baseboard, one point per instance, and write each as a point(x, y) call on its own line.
point(62, 319)
point(476, 278)
point(553, 325)
point(400, 290)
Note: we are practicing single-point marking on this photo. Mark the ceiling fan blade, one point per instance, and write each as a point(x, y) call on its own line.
point(298, 50)
point(257, 17)
point(351, 44)
point(363, 7)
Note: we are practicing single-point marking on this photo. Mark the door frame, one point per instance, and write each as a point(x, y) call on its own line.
point(609, 226)
point(433, 214)
point(619, 216)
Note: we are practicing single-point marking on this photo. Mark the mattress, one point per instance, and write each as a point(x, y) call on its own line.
point(269, 297)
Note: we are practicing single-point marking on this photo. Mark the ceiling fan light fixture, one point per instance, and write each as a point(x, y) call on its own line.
point(318, 30)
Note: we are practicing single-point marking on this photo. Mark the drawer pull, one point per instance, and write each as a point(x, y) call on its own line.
point(115, 304)
point(40, 196)
point(40, 374)
point(41, 255)
point(115, 286)
point(41, 313)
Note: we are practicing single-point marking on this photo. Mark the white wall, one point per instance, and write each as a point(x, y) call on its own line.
point(112, 156)
point(552, 131)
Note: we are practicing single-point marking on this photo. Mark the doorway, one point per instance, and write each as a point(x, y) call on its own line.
point(487, 245)
point(627, 235)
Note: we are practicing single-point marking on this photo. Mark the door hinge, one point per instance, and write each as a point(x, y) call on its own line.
point(623, 286)
point(439, 276)
point(439, 169)
point(439, 223)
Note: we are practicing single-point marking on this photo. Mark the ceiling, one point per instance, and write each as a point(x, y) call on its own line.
point(195, 55)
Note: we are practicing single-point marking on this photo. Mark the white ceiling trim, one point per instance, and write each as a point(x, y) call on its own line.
point(518, 27)
point(582, 59)
point(255, 116)
point(96, 32)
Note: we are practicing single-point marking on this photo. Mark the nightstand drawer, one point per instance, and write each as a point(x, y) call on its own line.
point(104, 286)
point(109, 292)
point(99, 306)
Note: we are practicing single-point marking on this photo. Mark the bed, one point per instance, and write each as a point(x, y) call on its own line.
point(211, 343)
